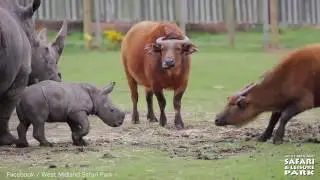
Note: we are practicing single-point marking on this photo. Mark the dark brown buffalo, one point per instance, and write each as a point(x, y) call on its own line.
point(292, 87)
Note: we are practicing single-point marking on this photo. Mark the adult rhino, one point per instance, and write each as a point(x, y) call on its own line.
point(16, 32)
point(46, 55)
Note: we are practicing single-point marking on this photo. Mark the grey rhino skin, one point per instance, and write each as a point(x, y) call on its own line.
point(16, 33)
point(51, 101)
point(45, 56)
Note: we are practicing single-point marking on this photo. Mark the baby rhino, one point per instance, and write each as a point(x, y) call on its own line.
point(51, 101)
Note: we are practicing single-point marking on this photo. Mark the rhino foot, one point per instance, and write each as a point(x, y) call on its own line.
point(7, 139)
point(21, 144)
point(46, 144)
point(80, 142)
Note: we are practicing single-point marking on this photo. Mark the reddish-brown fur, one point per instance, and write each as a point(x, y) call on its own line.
point(145, 69)
point(292, 87)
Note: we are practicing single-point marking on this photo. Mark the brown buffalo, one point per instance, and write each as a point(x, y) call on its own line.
point(292, 87)
point(157, 56)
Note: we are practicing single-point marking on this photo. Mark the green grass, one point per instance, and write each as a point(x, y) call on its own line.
point(251, 41)
point(265, 164)
point(215, 75)
point(209, 72)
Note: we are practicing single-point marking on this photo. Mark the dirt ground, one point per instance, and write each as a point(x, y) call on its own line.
point(201, 140)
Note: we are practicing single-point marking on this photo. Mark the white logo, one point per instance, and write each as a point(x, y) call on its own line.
point(299, 165)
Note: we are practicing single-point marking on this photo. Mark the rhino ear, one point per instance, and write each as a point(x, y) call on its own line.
point(43, 35)
point(108, 89)
point(31, 9)
point(58, 44)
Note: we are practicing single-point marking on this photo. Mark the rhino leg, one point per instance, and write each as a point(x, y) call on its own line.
point(38, 134)
point(75, 128)
point(22, 132)
point(6, 138)
point(7, 105)
point(79, 125)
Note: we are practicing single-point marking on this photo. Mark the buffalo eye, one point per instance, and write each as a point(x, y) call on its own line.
point(156, 47)
point(241, 103)
point(186, 47)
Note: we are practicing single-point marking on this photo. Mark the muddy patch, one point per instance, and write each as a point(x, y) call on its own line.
point(201, 139)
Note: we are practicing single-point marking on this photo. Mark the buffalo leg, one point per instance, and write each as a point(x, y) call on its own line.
point(39, 135)
point(177, 107)
point(269, 130)
point(134, 98)
point(8, 102)
point(162, 105)
point(286, 115)
point(149, 98)
point(77, 120)
point(22, 133)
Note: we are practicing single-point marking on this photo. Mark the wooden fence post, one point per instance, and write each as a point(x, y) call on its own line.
point(87, 23)
point(229, 7)
point(183, 15)
point(274, 23)
point(98, 24)
point(265, 6)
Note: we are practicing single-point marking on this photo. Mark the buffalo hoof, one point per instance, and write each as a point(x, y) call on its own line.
point(277, 141)
point(135, 118)
point(7, 139)
point(163, 124)
point(46, 144)
point(178, 122)
point(163, 120)
point(22, 144)
point(179, 126)
point(152, 119)
point(263, 138)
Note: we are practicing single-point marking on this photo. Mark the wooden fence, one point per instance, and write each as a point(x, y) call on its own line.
point(291, 12)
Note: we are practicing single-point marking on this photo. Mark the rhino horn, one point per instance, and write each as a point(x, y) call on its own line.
point(58, 44)
point(108, 89)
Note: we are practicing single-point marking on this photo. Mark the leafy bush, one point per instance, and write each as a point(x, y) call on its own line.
point(114, 39)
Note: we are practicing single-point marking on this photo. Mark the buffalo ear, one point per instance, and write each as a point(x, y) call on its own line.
point(242, 103)
point(108, 89)
point(153, 48)
point(189, 49)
